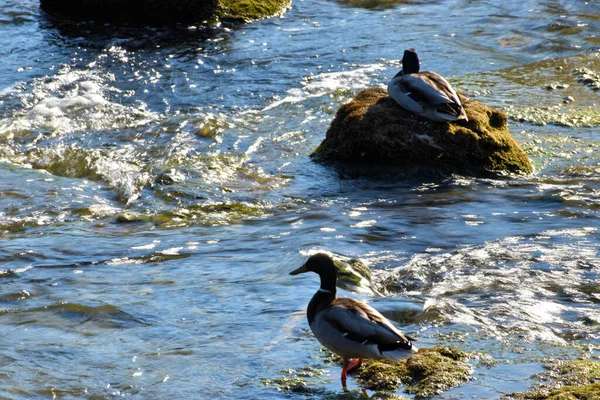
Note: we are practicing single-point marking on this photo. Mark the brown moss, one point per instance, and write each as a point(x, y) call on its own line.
point(429, 372)
point(372, 128)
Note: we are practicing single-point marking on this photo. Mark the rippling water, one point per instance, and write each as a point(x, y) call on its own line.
point(156, 190)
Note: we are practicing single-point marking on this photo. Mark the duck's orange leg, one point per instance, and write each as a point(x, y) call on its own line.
point(354, 363)
point(349, 366)
point(344, 373)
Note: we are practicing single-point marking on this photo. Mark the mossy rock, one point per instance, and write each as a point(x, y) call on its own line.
point(585, 392)
point(566, 380)
point(132, 216)
point(248, 10)
point(374, 129)
point(427, 373)
point(305, 383)
point(164, 11)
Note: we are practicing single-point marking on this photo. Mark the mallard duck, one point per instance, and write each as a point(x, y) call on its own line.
point(348, 327)
point(425, 93)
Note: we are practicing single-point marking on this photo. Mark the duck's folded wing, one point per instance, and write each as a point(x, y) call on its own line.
point(430, 89)
point(362, 323)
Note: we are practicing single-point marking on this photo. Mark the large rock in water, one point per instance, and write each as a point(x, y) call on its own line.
point(163, 11)
point(374, 129)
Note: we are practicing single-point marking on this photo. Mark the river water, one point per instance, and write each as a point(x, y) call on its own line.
point(156, 190)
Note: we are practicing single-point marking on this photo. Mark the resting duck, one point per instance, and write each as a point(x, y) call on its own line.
point(425, 93)
point(348, 327)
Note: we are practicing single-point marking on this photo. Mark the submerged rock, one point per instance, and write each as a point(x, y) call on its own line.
point(427, 373)
point(164, 11)
point(354, 275)
point(557, 91)
point(373, 129)
point(306, 382)
point(557, 115)
point(588, 77)
point(565, 380)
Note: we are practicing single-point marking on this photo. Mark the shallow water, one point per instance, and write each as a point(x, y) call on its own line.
point(157, 190)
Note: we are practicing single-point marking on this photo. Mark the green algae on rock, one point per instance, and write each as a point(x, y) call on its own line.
point(566, 380)
point(305, 381)
point(164, 11)
point(587, 392)
point(211, 213)
point(132, 216)
point(427, 373)
point(248, 10)
point(373, 129)
point(205, 214)
point(294, 381)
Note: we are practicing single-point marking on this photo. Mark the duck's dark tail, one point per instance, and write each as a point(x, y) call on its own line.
point(452, 112)
point(397, 351)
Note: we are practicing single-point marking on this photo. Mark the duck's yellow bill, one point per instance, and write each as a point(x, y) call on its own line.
point(300, 270)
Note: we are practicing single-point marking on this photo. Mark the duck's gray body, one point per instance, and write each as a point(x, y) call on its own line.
point(425, 93)
point(353, 329)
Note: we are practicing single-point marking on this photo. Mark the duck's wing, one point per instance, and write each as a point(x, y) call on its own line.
point(435, 93)
point(430, 88)
point(359, 322)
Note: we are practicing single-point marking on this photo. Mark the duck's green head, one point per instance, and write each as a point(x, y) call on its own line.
point(319, 263)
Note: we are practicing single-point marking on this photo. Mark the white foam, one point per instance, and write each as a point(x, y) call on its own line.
point(326, 83)
point(73, 100)
point(513, 286)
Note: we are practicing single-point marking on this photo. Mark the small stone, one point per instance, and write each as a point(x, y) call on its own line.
point(555, 85)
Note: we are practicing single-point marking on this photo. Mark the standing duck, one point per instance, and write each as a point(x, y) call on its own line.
point(425, 93)
point(348, 327)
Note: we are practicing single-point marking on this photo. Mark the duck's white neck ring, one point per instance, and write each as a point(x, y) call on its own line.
point(324, 291)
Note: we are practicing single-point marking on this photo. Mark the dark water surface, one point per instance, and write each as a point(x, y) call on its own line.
point(156, 190)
